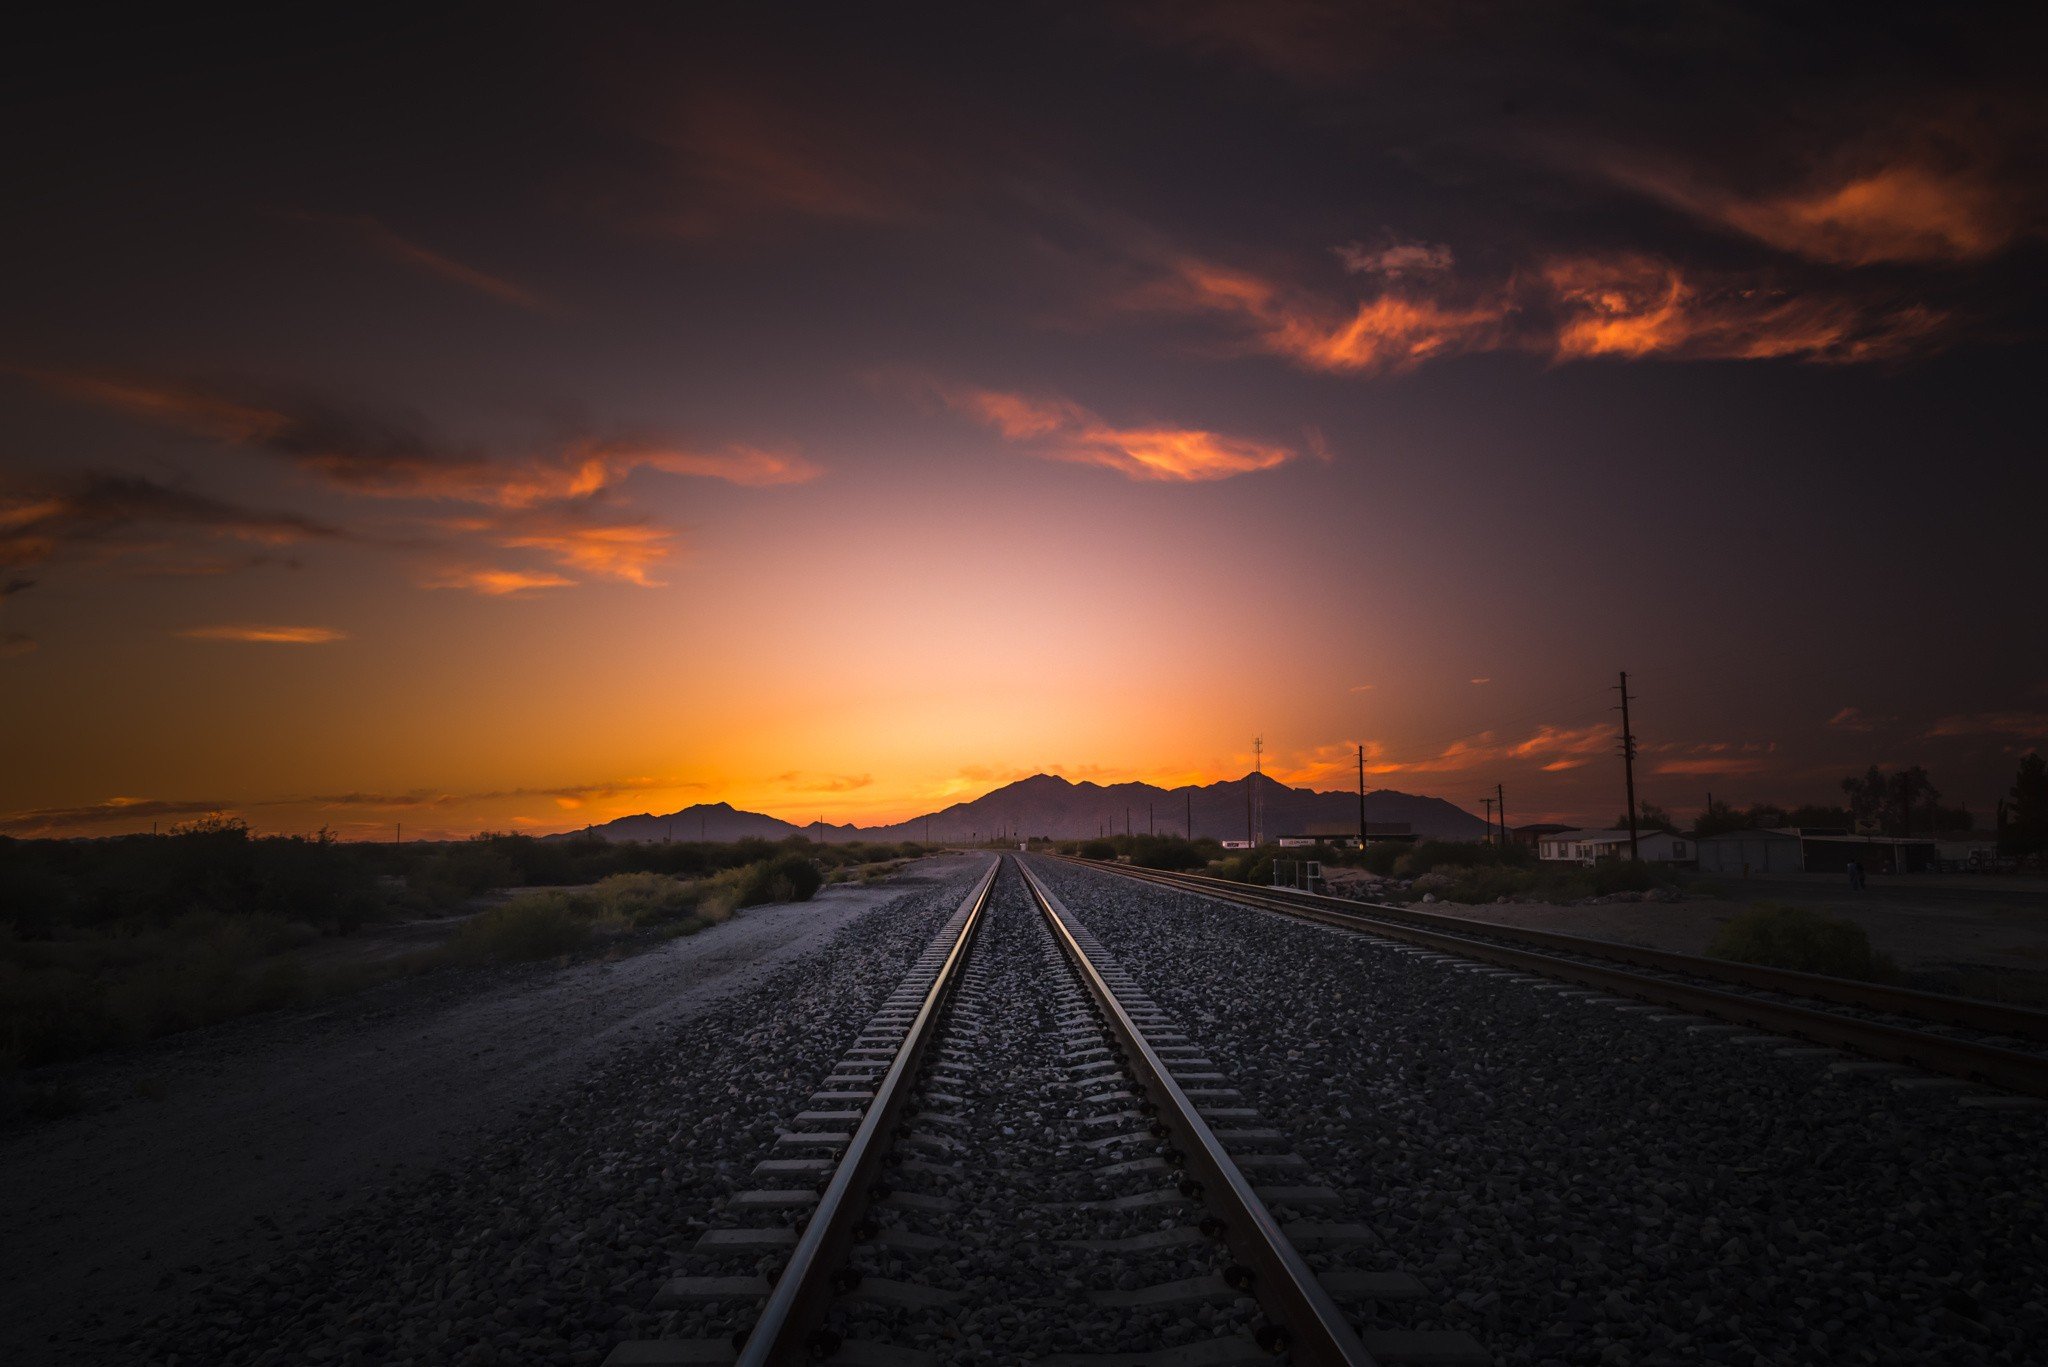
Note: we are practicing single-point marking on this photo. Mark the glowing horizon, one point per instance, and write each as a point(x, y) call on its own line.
point(835, 427)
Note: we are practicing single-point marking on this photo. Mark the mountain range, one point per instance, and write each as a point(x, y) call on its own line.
point(1048, 805)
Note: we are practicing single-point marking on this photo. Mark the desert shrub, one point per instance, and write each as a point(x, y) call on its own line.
point(536, 925)
point(457, 872)
point(1380, 859)
point(786, 878)
point(1101, 850)
point(1626, 875)
point(1457, 854)
point(1170, 852)
point(1800, 938)
point(643, 899)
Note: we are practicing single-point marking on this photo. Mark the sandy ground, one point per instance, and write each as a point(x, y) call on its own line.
point(285, 1120)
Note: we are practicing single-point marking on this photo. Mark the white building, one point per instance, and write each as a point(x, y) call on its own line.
point(1586, 847)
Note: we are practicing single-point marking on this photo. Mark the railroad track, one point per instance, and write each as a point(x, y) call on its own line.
point(1982, 1042)
point(1022, 1158)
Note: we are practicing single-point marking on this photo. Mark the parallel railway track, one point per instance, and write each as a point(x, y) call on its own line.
point(1983, 1042)
point(902, 1107)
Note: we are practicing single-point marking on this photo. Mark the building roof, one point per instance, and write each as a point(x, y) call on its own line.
point(1611, 837)
point(1752, 833)
point(1543, 828)
point(1792, 833)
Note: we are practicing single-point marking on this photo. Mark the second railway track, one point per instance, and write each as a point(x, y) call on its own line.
point(1024, 1159)
point(1985, 1042)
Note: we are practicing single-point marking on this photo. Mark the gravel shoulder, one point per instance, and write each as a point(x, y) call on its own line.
point(273, 1127)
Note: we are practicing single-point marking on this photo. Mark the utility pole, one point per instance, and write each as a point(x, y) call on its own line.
point(1191, 816)
point(1250, 842)
point(1127, 823)
point(1500, 805)
point(1628, 766)
point(1361, 797)
point(1258, 772)
point(1148, 819)
point(398, 832)
point(1489, 818)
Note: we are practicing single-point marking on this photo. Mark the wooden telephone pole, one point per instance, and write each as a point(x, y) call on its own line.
point(1628, 768)
point(1361, 797)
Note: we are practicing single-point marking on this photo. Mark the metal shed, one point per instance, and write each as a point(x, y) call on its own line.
point(1747, 852)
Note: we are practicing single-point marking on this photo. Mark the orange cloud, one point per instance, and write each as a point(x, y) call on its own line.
point(1904, 211)
point(498, 583)
point(1392, 331)
point(1066, 431)
point(1569, 307)
point(1630, 305)
point(1483, 750)
point(374, 456)
point(268, 635)
point(1708, 766)
point(823, 783)
point(628, 550)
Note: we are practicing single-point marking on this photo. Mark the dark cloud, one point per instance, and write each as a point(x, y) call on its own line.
point(116, 514)
point(64, 820)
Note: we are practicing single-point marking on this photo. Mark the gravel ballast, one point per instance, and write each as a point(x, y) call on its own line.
point(546, 1243)
point(1575, 1183)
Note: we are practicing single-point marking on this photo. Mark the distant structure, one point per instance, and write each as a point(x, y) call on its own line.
point(1344, 834)
point(1533, 834)
point(1792, 849)
point(1590, 847)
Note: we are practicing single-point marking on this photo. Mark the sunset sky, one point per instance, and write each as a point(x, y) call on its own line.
point(517, 419)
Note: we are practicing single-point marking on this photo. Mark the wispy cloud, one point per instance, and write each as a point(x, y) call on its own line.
point(823, 783)
point(1566, 307)
point(2017, 725)
point(265, 635)
point(57, 820)
point(384, 456)
point(1635, 306)
point(745, 156)
point(1391, 331)
point(381, 238)
point(497, 583)
point(1396, 259)
point(1896, 210)
point(1856, 719)
point(111, 513)
point(1709, 765)
point(1555, 747)
point(1061, 430)
point(579, 537)
point(15, 644)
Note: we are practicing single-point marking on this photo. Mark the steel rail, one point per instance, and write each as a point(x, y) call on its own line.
point(1995, 1018)
point(1284, 1286)
point(2007, 1068)
point(784, 1333)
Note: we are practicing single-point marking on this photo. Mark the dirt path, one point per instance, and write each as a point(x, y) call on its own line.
point(283, 1121)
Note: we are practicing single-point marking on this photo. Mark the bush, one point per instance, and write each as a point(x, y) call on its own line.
point(1803, 939)
point(538, 925)
point(788, 878)
point(1458, 854)
point(643, 899)
point(1100, 850)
